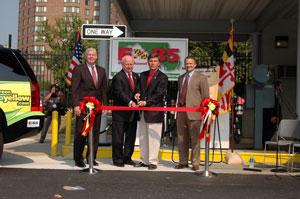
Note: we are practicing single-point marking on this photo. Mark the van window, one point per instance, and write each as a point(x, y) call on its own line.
point(10, 68)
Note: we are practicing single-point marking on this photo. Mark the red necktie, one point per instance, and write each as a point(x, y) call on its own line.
point(131, 82)
point(94, 75)
point(184, 90)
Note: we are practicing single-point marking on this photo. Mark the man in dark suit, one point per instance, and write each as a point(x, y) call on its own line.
point(193, 88)
point(124, 85)
point(153, 86)
point(87, 80)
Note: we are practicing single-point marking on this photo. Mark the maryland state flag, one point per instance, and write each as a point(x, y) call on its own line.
point(226, 77)
point(76, 59)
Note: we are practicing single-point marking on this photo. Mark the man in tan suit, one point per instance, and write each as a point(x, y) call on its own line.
point(193, 88)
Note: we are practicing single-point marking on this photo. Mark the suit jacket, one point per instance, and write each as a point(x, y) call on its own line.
point(83, 85)
point(198, 89)
point(153, 94)
point(123, 94)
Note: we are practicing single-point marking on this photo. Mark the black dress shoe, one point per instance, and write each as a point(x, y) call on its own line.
point(152, 167)
point(80, 164)
point(94, 162)
point(130, 162)
point(140, 164)
point(118, 164)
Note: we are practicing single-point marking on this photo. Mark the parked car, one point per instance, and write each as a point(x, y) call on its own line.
point(20, 107)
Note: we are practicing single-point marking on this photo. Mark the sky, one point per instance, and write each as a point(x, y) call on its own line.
point(9, 13)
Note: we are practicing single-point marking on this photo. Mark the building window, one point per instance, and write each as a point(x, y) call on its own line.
point(37, 68)
point(117, 14)
point(24, 13)
point(24, 4)
point(29, 2)
point(68, 18)
point(38, 38)
point(28, 20)
point(28, 30)
point(86, 21)
point(27, 40)
point(71, 9)
point(37, 28)
point(24, 22)
point(96, 13)
point(72, 1)
point(96, 22)
point(23, 32)
point(39, 18)
point(87, 12)
point(96, 3)
point(28, 11)
point(38, 48)
point(40, 8)
point(87, 2)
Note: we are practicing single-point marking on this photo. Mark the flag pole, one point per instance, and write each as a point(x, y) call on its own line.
point(232, 93)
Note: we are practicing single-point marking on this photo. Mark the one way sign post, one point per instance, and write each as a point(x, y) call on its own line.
point(102, 31)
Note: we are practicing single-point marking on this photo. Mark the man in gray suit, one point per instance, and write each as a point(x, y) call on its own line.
point(193, 88)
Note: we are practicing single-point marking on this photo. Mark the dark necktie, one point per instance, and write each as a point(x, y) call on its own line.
point(94, 75)
point(184, 90)
point(131, 82)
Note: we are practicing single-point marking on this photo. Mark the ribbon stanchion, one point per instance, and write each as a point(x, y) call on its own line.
point(90, 106)
point(209, 109)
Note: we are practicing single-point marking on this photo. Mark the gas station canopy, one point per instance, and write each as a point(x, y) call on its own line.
point(204, 20)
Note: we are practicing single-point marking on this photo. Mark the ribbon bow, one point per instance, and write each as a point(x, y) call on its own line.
point(209, 107)
point(90, 106)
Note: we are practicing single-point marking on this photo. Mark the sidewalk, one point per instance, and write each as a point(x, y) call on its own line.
point(29, 153)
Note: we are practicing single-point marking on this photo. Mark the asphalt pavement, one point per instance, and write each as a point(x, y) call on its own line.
point(28, 171)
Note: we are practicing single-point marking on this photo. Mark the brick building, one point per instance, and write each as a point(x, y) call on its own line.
point(32, 12)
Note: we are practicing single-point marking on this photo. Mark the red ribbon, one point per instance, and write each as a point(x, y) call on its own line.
point(209, 106)
point(126, 108)
point(84, 107)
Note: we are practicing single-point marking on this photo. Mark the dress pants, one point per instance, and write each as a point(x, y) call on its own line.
point(80, 141)
point(122, 150)
point(188, 130)
point(150, 135)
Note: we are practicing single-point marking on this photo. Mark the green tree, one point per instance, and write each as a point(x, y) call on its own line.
point(61, 38)
point(210, 53)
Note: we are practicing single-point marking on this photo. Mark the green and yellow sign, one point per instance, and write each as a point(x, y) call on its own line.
point(171, 51)
point(15, 98)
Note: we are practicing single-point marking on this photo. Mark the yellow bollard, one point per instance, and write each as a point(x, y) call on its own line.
point(68, 128)
point(54, 133)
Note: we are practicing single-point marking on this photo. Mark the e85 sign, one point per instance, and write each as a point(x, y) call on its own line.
point(171, 53)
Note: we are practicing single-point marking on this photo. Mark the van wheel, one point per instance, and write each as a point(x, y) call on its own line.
point(1, 141)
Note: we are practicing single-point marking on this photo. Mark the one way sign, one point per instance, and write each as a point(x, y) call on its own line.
point(102, 31)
